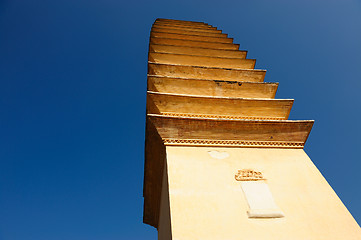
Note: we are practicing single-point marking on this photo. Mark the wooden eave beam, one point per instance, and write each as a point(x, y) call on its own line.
point(185, 26)
point(211, 73)
point(196, 25)
point(192, 43)
point(199, 30)
point(205, 61)
point(215, 88)
point(197, 51)
point(179, 21)
point(191, 37)
point(230, 132)
point(217, 107)
point(189, 32)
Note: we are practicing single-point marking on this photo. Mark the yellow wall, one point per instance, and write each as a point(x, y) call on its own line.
point(207, 203)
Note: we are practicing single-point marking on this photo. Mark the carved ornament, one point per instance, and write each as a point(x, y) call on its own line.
point(248, 175)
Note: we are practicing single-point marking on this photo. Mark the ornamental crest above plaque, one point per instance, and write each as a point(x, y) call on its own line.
point(248, 175)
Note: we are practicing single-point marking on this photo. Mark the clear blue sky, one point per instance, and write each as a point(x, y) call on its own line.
point(72, 102)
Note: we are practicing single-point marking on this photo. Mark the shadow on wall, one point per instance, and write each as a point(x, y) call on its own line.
point(164, 225)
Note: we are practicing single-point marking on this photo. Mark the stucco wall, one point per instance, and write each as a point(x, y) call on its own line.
point(206, 202)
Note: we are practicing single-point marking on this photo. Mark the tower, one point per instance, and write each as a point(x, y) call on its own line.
point(222, 160)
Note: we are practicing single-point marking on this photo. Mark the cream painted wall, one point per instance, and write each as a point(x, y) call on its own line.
point(207, 203)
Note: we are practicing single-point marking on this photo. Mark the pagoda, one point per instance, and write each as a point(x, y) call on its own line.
point(222, 160)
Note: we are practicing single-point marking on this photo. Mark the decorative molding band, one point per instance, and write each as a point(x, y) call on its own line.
point(218, 116)
point(231, 143)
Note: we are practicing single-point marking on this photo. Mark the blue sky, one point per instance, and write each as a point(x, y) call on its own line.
point(72, 102)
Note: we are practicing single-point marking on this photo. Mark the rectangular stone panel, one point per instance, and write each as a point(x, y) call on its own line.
point(260, 200)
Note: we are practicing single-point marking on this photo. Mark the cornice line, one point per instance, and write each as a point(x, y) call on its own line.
point(231, 143)
point(219, 116)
